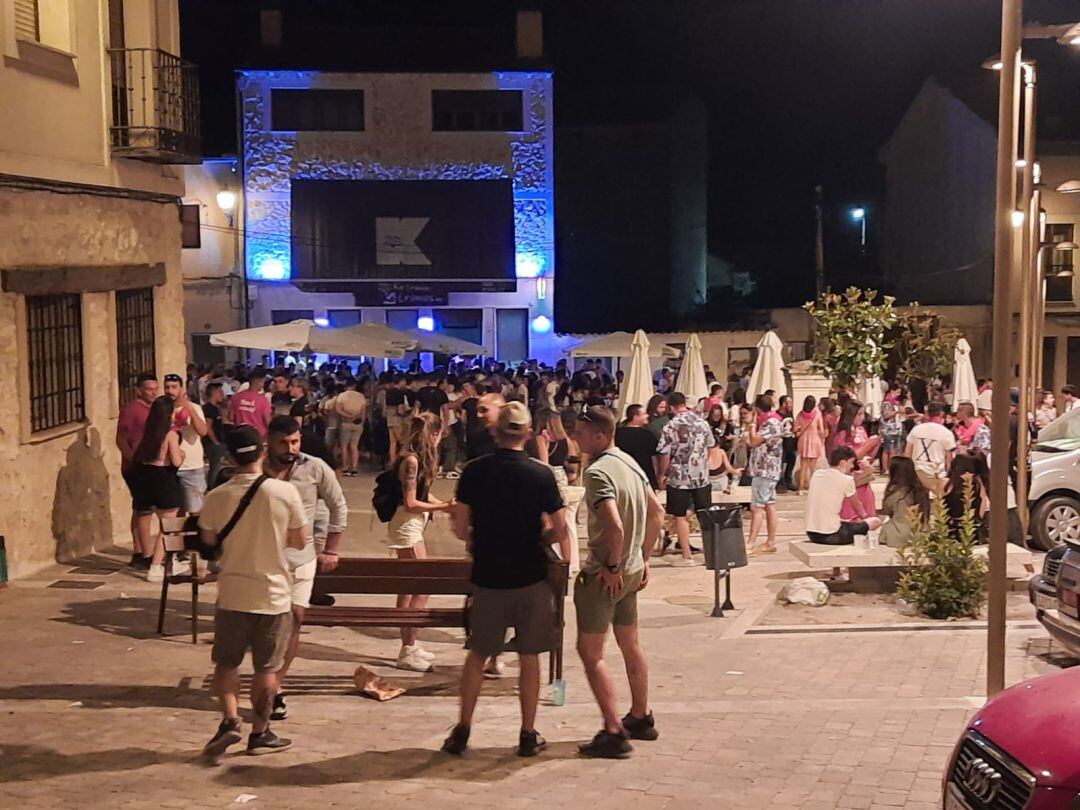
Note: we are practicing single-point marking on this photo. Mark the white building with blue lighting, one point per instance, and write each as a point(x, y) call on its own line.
point(411, 199)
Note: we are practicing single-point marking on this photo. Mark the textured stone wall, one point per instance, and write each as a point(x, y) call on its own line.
point(62, 492)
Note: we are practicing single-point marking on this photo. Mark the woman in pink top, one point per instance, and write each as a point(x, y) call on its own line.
point(809, 428)
point(851, 432)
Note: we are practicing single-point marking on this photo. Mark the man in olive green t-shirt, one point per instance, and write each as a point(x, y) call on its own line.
point(624, 524)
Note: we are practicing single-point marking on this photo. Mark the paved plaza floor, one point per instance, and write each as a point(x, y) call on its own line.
point(97, 711)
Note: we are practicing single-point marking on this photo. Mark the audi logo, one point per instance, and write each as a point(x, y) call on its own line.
point(979, 779)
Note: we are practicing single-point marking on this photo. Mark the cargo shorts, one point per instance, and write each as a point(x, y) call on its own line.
point(597, 610)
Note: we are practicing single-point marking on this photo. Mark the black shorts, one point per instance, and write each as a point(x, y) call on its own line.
point(682, 501)
point(844, 536)
point(154, 488)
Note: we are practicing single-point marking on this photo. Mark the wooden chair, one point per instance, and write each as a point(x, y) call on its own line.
point(172, 537)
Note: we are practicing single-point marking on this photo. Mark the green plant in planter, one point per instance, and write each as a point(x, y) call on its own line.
point(944, 579)
point(851, 339)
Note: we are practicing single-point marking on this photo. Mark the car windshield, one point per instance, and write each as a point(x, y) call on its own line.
point(1066, 426)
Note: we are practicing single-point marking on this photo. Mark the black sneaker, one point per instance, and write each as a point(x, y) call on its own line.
point(323, 600)
point(228, 733)
point(141, 563)
point(280, 712)
point(458, 740)
point(266, 743)
point(606, 745)
point(641, 728)
point(530, 743)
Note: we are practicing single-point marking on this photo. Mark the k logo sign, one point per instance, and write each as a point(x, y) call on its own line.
point(395, 240)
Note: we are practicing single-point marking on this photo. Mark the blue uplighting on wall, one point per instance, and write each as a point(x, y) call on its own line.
point(541, 324)
point(529, 265)
point(270, 268)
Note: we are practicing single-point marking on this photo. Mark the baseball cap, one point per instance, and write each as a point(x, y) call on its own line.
point(244, 443)
point(514, 418)
point(1014, 396)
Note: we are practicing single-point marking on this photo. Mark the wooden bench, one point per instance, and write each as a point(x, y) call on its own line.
point(883, 560)
point(434, 576)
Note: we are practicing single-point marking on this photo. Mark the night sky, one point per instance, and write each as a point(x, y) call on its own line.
point(799, 92)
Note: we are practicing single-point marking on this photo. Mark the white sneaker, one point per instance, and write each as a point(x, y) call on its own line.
point(181, 568)
point(427, 656)
point(156, 573)
point(409, 659)
point(684, 562)
point(494, 669)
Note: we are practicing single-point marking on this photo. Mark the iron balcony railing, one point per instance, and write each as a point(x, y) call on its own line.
point(155, 106)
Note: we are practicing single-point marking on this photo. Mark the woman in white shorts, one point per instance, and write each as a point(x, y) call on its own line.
point(417, 466)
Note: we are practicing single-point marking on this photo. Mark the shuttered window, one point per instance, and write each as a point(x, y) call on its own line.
point(26, 20)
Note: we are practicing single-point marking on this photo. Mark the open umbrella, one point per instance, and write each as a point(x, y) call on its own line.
point(619, 344)
point(304, 335)
point(965, 388)
point(637, 387)
point(768, 371)
point(691, 381)
point(417, 340)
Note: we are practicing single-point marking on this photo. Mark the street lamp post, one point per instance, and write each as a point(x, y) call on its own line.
point(859, 215)
point(1011, 24)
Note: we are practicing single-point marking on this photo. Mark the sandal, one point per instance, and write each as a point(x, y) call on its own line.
point(765, 550)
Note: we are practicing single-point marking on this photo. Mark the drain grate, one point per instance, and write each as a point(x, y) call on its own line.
point(76, 584)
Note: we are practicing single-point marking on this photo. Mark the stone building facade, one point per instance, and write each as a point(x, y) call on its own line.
point(89, 264)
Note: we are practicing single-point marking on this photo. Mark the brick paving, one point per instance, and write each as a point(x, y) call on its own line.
point(97, 711)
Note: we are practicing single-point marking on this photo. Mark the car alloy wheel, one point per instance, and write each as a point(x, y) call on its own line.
point(1063, 524)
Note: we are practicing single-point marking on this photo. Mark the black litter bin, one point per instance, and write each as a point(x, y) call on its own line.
point(725, 548)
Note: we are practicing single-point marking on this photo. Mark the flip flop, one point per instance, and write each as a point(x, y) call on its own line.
point(765, 550)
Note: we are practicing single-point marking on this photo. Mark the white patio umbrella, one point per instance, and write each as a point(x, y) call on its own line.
point(619, 344)
point(869, 394)
point(691, 381)
point(637, 387)
point(768, 371)
point(965, 388)
point(303, 335)
point(417, 340)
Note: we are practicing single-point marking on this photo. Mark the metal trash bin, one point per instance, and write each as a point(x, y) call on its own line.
point(725, 549)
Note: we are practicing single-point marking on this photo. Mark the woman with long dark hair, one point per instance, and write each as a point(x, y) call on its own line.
point(904, 493)
point(658, 414)
point(416, 467)
point(967, 470)
point(156, 461)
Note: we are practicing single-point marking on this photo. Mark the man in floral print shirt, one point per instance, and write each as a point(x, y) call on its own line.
point(684, 468)
point(766, 464)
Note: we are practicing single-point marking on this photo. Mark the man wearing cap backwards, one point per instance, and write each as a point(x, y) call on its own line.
point(509, 510)
point(254, 588)
point(189, 420)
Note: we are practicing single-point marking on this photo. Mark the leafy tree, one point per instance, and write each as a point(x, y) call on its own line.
point(851, 334)
point(925, 347)
point(944, 579)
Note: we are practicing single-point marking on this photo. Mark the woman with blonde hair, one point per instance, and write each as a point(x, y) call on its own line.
point(417, 466)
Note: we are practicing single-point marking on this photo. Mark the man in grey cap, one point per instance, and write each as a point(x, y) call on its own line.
point(509, 511)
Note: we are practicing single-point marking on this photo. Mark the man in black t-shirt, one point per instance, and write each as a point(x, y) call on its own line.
point(431, 397)
point(214, 440)
point(480, 427)
point(508, 512)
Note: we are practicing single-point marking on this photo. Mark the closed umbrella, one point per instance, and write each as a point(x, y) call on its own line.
point(768, 371)
point(637, 387)
point(691, 382)
point(965, 387)
point(869, 393)
point(304, 335)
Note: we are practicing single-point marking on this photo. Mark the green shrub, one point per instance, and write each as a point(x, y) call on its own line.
point(943, 578)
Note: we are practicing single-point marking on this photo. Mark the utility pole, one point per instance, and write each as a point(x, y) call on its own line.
point(819, 241)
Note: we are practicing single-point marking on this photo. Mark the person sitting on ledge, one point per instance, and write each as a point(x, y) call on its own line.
point(829, 490)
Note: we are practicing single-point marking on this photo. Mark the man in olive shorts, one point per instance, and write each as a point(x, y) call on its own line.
point(625, 519)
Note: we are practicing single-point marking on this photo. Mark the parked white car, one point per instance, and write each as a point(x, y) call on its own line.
point(1054, 496)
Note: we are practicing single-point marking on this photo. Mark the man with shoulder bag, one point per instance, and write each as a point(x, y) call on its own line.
point(252, 519)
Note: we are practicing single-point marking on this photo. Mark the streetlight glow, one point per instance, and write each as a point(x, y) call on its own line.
point(226, 200)
point(858, 214)
point(1017, 219)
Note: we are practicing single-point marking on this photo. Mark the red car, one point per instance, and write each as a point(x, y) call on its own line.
point(1022, 750)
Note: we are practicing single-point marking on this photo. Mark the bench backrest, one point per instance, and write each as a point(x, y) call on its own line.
point(433, 575)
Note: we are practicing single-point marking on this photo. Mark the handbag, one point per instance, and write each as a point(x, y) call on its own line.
point(193, 537)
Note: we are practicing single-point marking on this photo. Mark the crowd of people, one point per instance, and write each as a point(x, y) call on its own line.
point(258, 455)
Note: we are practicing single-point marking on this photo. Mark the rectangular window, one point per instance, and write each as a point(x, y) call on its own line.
point(55, 341)
point(476, 111)
point(512, 334)
point(190, 229)
point(280, 316)
point(27, 20)
point(134, 338)
point(317, 110)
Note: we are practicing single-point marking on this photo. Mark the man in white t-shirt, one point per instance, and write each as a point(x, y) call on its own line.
point(254, 605)
point(930, 445)
point(829, 490)
point(189, 420)
point(984, 401)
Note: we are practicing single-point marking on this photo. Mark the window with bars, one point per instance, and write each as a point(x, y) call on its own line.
point(1059, 273)
point(54, 337)
point(134, 338)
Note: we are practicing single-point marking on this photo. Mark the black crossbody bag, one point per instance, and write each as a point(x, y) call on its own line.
point(193, 537)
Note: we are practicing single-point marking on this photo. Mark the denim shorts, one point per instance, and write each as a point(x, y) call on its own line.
point(193, 487)
point(763, 491)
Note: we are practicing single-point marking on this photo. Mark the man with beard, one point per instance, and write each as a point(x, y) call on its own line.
point(315, 481)
point(190, 421)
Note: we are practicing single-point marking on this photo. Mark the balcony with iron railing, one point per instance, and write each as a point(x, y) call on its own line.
point(155, 106)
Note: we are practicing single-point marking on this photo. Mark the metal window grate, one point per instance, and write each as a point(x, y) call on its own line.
point(155, 106)
point(134, 338)
point(54, 334)
point(26, 20)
